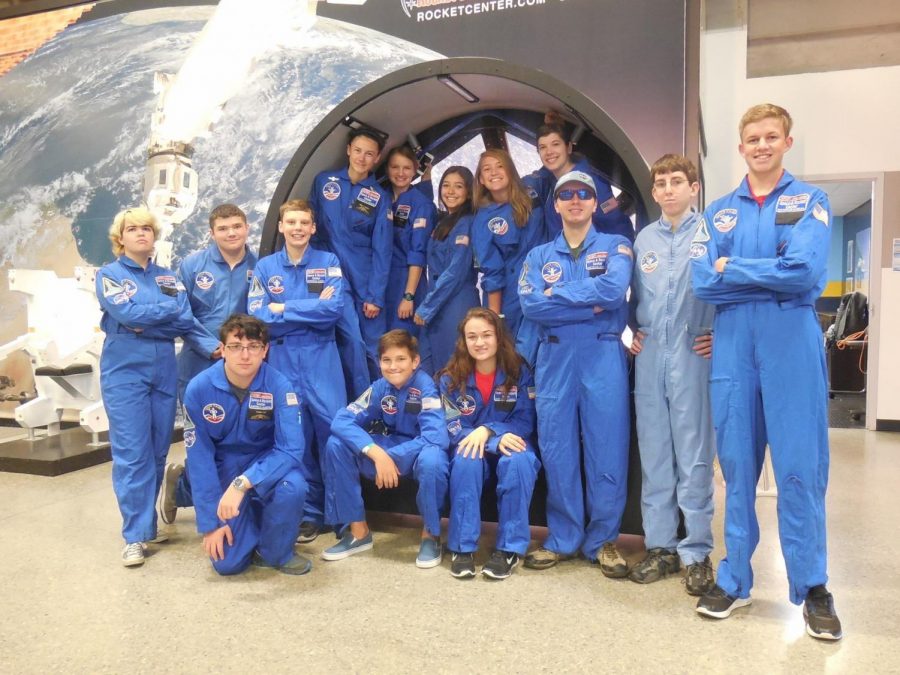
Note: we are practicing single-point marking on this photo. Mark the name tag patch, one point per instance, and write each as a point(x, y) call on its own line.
point(595, 263)
point(315, 279)
point(167, 285)
point(790, 208)
point(366, 201)
point(401, 215)
point(261, 405)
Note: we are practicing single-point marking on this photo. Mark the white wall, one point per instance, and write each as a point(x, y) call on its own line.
point(845, 122)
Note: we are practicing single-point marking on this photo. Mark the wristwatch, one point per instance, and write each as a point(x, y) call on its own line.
point(239, 484)
point(409, 296)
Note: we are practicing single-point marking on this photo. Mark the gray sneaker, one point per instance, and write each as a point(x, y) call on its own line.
point(658, 564)
point(166, 504)
point(296, 566)
point(133, 554)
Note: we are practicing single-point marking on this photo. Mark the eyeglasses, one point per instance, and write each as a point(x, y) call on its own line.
point(237, 347)
point(567, 195)
point(674, 182)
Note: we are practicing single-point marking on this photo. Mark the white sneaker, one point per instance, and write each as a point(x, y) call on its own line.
point(133, 554)
point(162, 534)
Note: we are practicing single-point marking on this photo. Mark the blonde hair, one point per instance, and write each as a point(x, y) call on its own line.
point(764, 111)
point(518, 197)
point(136, 216)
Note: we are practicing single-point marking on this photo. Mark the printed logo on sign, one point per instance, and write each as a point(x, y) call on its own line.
point(389, 404)
point(275, 285)
point(213, 413)
point(697, 250)
point(465, 404)
point(724, 220)
point(551, 272)
point(204, 280)
point(498, 226)
point(331, 190)
point(649, 262)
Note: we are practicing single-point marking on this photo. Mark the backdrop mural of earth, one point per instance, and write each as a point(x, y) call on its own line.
point(75, 123)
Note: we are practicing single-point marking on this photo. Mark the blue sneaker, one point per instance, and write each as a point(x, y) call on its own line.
point(430, 553)
point(347, 546)
point(297, 565)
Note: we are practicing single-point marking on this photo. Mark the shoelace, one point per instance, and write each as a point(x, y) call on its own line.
point(132, 548)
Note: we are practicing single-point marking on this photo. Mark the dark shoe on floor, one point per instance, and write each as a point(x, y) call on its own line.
point(167, 508)
point(462, 565)
point(430, 553)
point(500, 565)
point(717, 604)
point(258, 561)
point(822, 621)
point(544, 558)
point(658, 564)
point(699, 578)
point(612, 564)
point(296, 566)
point(308, 532)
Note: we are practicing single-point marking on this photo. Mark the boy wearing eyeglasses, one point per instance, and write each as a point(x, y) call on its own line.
point(298, 293)
point(573, 288)
point(672, 346)
point(243, 432)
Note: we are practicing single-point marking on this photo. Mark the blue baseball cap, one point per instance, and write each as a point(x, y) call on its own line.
point(575, 177)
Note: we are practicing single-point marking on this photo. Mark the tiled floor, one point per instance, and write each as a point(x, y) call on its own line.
point(69, 606)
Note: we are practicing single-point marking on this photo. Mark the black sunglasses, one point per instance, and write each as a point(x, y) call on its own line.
point(583, 193)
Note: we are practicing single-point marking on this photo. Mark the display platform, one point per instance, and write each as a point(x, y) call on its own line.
point(67, 451)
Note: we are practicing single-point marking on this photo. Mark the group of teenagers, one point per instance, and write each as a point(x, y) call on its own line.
point(363, 348)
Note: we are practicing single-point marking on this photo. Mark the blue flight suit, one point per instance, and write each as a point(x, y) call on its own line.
point(582, 385)
point(671, 392)
point(215, 292)
point(768, 380)
point(259, 437)
point(352, 222)
point(303, 349)
point(608, 218)
point(415, 436)
point(144, 310)
point(511, 412)
point(451, 293)
point(412, 216)
point(500, 246)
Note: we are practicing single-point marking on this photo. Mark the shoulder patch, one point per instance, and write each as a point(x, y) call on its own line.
point(111, 288)
point(462, 240)
point(725, 220)
point(431, 403)
point(702, 233)
point(698, 250)
point(451, 412)
point(820, 214)
point(256, 288)
point(364, 399)
point(291, 398)
point(335, 272)
point(419, 223)
point(649, 262)
point(624, 249)
point(609, 205)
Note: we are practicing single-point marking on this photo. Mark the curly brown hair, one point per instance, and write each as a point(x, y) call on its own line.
point(461, 364)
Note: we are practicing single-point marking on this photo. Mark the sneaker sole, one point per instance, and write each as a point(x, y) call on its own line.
point(163, 498)
point(614, 574)
point(427, 564)
point(133, 563)
point(304, 539)
point(654, 579)
point(346, 554)
point(725, 613)
point(490, 574)
point(465, 574)
point(830, 637)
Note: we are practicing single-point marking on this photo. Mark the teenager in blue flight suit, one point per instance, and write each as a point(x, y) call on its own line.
point(144, 310)
point(352, 211)
point(412, 215)
point(505, 228)
point(451, 274)
point(396, 428)
point(574, 289)
point(760, 255)
point(298, 293)
point(554, 145)
point(671, 344)
point(488, 395)
point(216, 280)
point(243, 432)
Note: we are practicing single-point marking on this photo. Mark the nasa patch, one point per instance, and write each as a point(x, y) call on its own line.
point(724, 220)
point(204, 280)
point(454, 427)
point(189, 437)
point(498, 226)
point(532, 193)
point(111, 288)
point(702, 233)
point(389, 404)
point(255, 305)
point(129, 287)
point(121, 298)
point(551, 272)
point(465, 404)
point(331, 190)
point(649, 262)
point(256, 288)
point(213, 413)
point(275, 285)
point(698, 250)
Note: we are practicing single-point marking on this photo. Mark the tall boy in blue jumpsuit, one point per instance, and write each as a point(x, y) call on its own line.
point(216, 280)
point(352, 211)
point(298, 292)
point(671, 392)
point(573, 288)
point(243, 433)
point(759, 255)
point(411, 440)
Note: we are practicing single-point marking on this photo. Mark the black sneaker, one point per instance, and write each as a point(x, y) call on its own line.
point(500, 565)
point(658, 564)
point(822, 621)
point(308, 532)
point(717, 604)
point(462, 565)
point(699, 579)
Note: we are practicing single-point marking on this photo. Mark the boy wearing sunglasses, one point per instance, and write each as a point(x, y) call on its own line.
point(242, 429)
point(672, 346)
point(574, 289)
